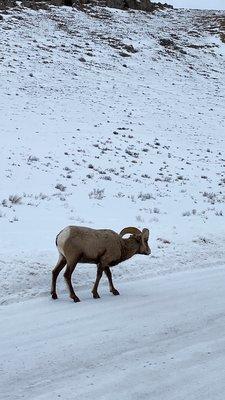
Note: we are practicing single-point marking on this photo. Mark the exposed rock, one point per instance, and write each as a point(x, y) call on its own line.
point(143, 5)
point(35, 5)
point(171, 45)
point(130, 48)
point(6, 4)
point(166, 42)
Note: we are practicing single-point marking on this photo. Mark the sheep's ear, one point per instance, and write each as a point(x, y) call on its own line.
point(145, 233)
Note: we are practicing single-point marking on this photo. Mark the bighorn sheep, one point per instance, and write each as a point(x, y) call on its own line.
point(103, 247)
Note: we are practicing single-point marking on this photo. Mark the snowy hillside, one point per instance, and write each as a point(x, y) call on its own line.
point(109, 119)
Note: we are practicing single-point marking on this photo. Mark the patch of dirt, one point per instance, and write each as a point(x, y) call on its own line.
point(214, 23)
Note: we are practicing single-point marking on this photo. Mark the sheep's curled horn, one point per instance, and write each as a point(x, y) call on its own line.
point(132, 230)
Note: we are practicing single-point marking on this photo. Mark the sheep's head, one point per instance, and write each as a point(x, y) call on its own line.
point(140, 237)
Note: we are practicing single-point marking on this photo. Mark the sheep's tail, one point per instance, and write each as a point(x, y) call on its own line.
point(56, 239)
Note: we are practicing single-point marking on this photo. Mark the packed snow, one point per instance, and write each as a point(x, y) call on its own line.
point(162, 339)
point(112, 119)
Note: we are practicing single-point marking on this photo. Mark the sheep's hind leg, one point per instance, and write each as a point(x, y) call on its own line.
point(98, 277)
point(55, 272)
point(67, 275)
point(112, 289)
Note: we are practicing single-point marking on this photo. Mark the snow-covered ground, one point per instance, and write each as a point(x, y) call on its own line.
point(104, 125)
point(162, 339)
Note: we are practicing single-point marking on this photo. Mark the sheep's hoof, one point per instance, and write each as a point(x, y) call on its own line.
point(54, 296)
point(115, 292)
point(76, 299)
point(96, 296)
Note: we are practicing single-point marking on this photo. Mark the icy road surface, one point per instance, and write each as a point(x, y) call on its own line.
point(161, 339)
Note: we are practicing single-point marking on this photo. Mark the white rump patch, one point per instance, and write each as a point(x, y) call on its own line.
point(62, 238)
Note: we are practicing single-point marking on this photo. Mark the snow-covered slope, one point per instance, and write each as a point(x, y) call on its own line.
point(104, 123)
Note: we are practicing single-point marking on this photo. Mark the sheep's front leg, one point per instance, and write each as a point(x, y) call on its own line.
point(112, 289)
point(98, 277)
